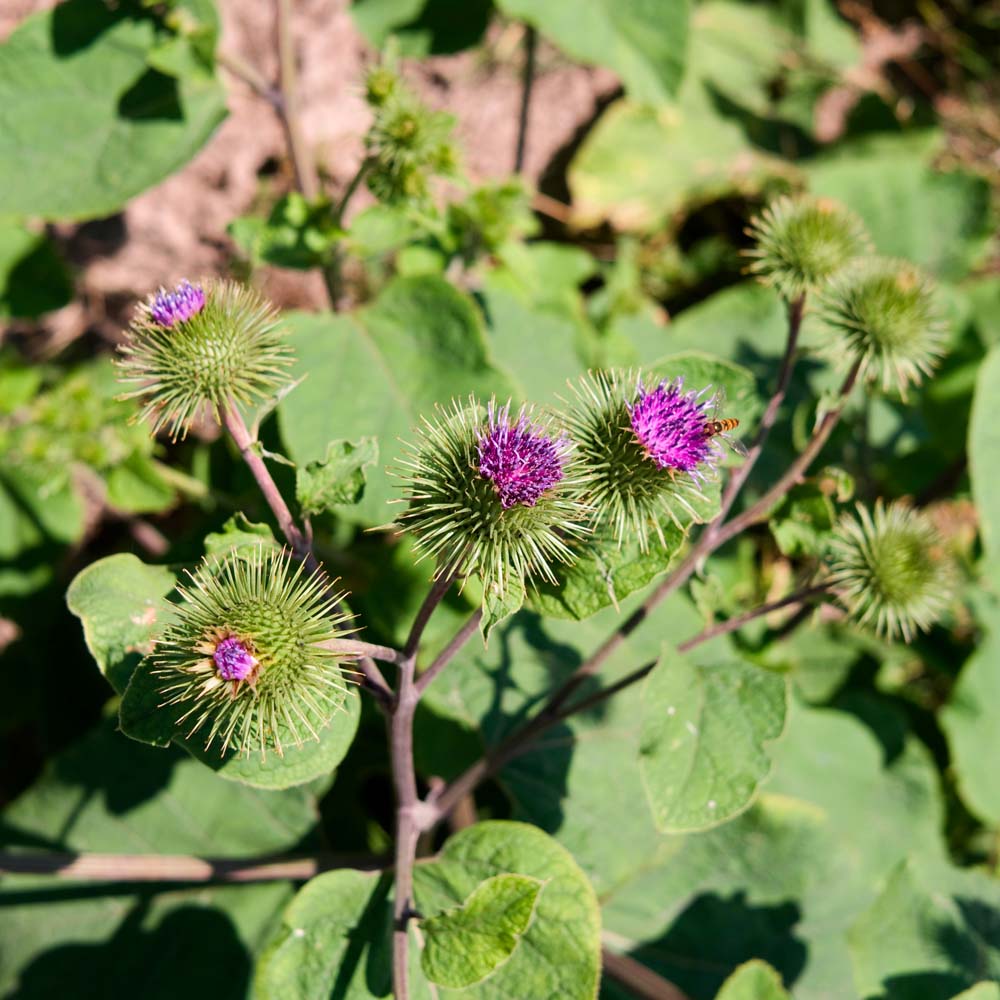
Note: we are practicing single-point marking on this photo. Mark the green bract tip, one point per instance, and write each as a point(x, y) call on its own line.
point(890, 569)
point(802, 242)
point(493, 493)
point(244, 656)
point(194, 347)
point(882, 313)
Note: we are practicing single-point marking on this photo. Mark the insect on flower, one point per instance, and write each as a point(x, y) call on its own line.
point(721, 428)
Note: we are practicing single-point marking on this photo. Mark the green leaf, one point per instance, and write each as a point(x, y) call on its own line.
point(335, 935)
point(605, 573)
point(644, 43)
point(108, 794)
point(297, 233)
point(984, 454)
point(941, 221)
point(465, 945)
point(121, 603)
point(971, 720)
point(33, 278)
point(422, 27)
point(419, 344)
point(239, 535)
point(499, 605)
point(136, 486)
point(704, 731)
point(981, 991)
point(754, 980)
point(928, 935)
point(125, 128)
point(803, 520)
point(338, 479)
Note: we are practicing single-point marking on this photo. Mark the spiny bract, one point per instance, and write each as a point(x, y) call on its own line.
point(890, 569)
point(214, 346)
point(492, 494)
point(244, 659)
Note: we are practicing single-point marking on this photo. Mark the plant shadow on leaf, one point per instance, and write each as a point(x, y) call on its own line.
point(715, 934)
point(153, 97)
point(77, 24)
point(193, 952)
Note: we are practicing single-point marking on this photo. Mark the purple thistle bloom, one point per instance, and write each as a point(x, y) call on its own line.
point(185, 301)
point(233, 660)
point(672, 426)
point(519, 459)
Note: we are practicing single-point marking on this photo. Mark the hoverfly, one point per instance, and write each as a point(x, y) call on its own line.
point(721, 428)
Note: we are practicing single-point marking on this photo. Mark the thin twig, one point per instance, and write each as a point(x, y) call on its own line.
point(522, 739)
point(447, 654)
point(373, 679)
point(642, 982)
point(245, 72)
point(409, 808)
point(306, 179)
point(174, 867)
point(384, 653)
point(527, 84)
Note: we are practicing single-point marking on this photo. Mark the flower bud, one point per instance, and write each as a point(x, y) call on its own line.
point(492, 494)
point(802, 242)
point(202, 346)
point(890, 569)
point(643, 451)
point(882, 312)
point(243, 657)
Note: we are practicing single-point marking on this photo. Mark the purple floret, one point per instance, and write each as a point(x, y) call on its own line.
point(671, 426)
point(520, 461)
point(233, 660)
point(185, 301)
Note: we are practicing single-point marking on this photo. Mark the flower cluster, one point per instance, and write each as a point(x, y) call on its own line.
point(245, 659)
point(214, 345)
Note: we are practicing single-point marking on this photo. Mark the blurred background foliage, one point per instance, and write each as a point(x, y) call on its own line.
point(623, 248)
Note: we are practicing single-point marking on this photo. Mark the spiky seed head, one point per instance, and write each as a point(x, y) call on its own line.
point(890, 569)
point(491, 493)
point(802, 242)
point(643, 450)
point(242, 660)
point(198, 346)
point(407, 144)
point(883, 313)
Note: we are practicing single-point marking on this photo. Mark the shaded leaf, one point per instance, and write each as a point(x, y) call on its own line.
point(338, 479)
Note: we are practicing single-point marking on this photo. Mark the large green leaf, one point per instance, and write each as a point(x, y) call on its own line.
point(643, 41)
point(335, 936)
point(941, 221)
point(112, 795)
point(464, 945)
point(929, 935)
point(87, 122)
point(422, 27)
point(33, 279)
point(419, 344)
point(755, 980)
point(783, 881)
point(704, 734)
point(122, 604)
point(984, 453)
point(971, 720)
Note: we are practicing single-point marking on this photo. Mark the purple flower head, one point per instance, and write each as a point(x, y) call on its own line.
point(185, 301)
point(672, 426)
point(233, 660)
point(519, 459)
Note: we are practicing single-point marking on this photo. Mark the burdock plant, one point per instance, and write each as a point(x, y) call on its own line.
point(645, 451)
point(210, 345)
point(245, 658)
point(492, 493)
point(890, 569)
